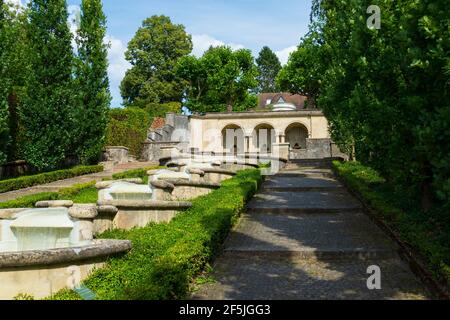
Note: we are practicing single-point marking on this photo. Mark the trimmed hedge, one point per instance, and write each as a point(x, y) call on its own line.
point(135, 173)
point(128, 127)
point(47, 177)
point(166, 257)
point(29, 201)
point(77, 193)
point(427, 232)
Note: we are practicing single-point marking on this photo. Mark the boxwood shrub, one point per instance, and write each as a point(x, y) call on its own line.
point(166, 257)
point(47, 177)
point(428, 233)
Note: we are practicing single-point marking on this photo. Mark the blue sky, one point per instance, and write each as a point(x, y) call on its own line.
point(251, 24)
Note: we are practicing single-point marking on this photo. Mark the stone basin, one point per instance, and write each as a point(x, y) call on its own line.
point(123, 190)
point(41, 273)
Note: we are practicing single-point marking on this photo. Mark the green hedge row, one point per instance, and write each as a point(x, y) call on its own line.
point(135, 173)
point(76, 192)
point(128, 127)
point(427, 232)
point(166, 257)
point(47, 177)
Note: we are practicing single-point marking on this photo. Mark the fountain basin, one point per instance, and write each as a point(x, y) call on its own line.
point(41, 229)
point(42, 273)
point(182, 190)
point(122, 190)
point(136, 214)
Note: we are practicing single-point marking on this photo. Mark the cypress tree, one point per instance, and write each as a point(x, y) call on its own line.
point(92, 81)
point(268, 68)
point(4, 130)
point(48, 114)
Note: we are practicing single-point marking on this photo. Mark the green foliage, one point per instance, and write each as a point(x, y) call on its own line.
point(385, 92)
point(268, 66)
point(135, 173)
point(81, 193)
point(13, 73)
point(92, 84)
point(155, 110)
point(23, 296)
point(426, 232)
point(4, 129)
point(166, 257)
point(153, 53)
point(304, 70)
point(128, 127)
point(220, 80)
point(29, 201)
point(48, 115)
point(47, 177)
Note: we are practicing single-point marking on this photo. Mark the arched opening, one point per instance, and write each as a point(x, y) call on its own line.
point(263, 138)
point(233, 139)
point(296, 135)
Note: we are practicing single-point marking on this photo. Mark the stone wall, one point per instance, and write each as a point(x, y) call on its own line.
point(116, 154)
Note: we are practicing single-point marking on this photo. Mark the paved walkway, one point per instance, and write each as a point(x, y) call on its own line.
point(57, 185)
point(305, 237)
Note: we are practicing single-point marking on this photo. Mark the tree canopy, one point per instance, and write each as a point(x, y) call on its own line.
point(384, 90)
point(268, 66)
point(221, 80)
point(91, 81)
point(48, 115)
point(153, 53)
point(304, 70)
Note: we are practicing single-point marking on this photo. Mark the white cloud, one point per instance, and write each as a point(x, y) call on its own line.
point(116, 55)
point(203, 42)
point(283, 54)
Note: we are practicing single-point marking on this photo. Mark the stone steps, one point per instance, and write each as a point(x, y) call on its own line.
point(312, 202)
point(257, 278)
point(325, 236)
point(305, 237)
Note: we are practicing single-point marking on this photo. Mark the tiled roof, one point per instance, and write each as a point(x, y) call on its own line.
point(296, 99)
point(158, 123)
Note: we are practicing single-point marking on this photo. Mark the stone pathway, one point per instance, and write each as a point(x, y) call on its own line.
point(57, 185)
point(305, 237)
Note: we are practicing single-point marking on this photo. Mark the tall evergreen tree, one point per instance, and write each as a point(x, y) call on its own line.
point(14, 71)
point(92, 82)
point(268, 67)
point(48, 116)
point(4, 130)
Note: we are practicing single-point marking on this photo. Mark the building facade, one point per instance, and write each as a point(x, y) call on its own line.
point(281, 126)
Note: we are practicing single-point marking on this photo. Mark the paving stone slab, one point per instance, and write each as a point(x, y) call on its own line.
point(254, 278)
point(304, 202)
point(298, 184)
point(326, 235)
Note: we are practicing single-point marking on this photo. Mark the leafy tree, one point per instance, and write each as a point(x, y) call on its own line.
point(48, 115)
point(153, 53)
point(13, 74)
point(92, 84)
point(304, 71)
point(268, 66)
point(221, 80)
point(4, 129)
point(386, 90)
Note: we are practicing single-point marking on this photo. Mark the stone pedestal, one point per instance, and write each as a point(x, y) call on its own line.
point(280, 150)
